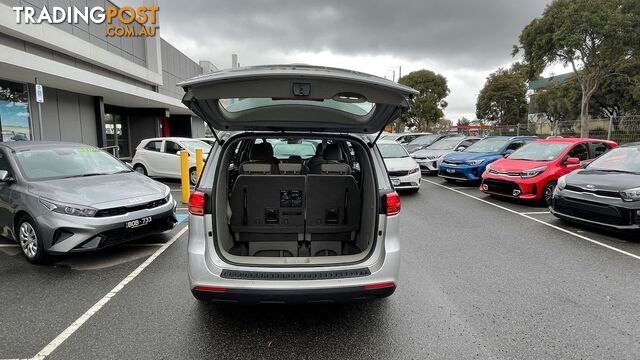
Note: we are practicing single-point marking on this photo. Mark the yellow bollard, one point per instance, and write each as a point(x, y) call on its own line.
point(199, 162)
point(184, 176)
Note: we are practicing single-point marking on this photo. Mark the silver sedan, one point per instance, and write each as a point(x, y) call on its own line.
point(58, 197)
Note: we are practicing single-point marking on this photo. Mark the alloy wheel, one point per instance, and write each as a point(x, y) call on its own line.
point(28, 239)
point(548, 193)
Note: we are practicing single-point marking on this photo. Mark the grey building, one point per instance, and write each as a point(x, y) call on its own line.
point(98, 90)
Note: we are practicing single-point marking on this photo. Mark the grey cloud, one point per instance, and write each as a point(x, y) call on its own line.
point(462, 33)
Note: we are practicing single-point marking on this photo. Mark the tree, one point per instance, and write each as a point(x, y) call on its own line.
point(463, 121)
point(615, 96)
point(426, 107)
point(594, 37)
point(442, 125)
point(503, 99)
point(559, 101)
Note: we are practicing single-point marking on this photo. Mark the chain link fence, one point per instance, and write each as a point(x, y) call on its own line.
point(621, 129)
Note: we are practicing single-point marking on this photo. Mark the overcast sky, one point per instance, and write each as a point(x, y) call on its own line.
point(464, 40)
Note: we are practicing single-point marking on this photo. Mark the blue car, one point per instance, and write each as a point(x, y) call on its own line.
point(469, 164)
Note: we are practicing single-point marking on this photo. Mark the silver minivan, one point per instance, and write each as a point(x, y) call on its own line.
point(294, 204)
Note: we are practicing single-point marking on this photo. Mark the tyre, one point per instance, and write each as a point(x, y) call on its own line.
point(139, 168)
point(547, 193)
point(193, 176)
point(30, 241)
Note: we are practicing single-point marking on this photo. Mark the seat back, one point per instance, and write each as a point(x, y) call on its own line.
point(269, 208)
point(334, 215)
point(331, 162)
point(261, 162)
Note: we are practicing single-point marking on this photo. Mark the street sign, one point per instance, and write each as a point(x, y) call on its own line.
point(39, 93)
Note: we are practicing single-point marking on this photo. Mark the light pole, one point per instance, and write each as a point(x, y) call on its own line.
point(393, 68)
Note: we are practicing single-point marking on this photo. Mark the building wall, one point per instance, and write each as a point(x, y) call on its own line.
point(66, 116)
point(132, 49)
point(143, 127)
point(176, 67)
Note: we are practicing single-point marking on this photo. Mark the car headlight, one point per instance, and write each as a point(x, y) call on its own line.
point(474, 162)
point(532, 172)
point(68, 209)
point(631, 194)
point(413, 171)
point(562, 182)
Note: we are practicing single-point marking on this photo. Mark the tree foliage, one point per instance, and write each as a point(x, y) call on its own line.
point(426, 107)
point(594, 37)
point(503, 99)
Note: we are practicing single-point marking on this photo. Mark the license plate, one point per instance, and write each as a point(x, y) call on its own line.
point(451, 171)
point(138, 222)
point(395, 181)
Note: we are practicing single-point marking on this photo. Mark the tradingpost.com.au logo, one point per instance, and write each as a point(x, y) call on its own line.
point(146, 16)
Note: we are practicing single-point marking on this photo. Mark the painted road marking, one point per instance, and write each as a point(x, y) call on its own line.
point(8, 245)
point(55, 343)
point(536, 213)
point(540, 221)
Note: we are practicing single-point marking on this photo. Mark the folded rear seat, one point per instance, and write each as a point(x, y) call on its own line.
point(333, 214)
point(268, 213)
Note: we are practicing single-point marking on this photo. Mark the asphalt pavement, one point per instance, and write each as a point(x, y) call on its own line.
point(480, 278)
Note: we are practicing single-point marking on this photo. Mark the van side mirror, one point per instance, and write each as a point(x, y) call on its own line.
point(572, 161)
point(5, 177)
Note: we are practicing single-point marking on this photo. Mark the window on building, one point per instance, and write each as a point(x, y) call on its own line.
point(14, 112)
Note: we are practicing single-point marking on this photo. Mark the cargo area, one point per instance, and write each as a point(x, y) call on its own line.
point(295, 200)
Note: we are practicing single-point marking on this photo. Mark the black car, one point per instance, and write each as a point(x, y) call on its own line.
point(605, 194)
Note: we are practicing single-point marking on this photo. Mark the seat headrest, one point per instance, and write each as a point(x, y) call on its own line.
point(332, 152)
point(296, 159)
point(262, 152)
point(320, 148)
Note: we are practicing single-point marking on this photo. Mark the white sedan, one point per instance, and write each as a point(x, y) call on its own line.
point(403, 170)
point(160, 157)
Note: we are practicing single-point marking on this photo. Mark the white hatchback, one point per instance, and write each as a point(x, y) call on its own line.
point(403, 170)
point(160, 157)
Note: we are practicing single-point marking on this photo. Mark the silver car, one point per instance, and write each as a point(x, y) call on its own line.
point(57, 198)
point(294, 226)
point(429, 158)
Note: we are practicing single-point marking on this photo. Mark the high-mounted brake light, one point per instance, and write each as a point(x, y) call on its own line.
point(196, 203)
point(393, 203)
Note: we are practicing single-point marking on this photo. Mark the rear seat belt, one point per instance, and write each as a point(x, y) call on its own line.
point(245, 219)
point(346, 205)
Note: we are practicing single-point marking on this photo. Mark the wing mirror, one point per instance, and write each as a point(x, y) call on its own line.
point(5, 177)
point(572, 161)
point(461, 148)
point(507, 153)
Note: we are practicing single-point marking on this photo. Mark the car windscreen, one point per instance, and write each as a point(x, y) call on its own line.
point(539, 151)
point(446, 143)
point(392, 151)
point(192, 145)
point(66, 162)
point(284, 150)
point(424, 140)
point(625, 159)
point(488, 146)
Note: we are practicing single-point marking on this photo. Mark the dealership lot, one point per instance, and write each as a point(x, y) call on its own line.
point(480, 278)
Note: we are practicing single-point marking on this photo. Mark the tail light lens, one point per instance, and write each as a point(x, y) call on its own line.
point(197, 202)
point(393, 203)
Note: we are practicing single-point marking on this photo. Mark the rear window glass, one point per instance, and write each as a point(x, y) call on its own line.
point(238, 105)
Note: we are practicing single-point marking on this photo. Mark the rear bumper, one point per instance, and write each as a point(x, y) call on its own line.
point(262, 296)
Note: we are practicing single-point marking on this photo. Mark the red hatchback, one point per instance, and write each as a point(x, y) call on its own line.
point(531, 172)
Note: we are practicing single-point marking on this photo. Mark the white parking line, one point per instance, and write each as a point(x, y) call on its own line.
point(8, 245)
point(540, 221)
point(53, 345)
point(536, 213)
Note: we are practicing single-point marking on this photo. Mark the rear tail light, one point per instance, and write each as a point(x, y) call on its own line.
point(379, 286)
point(215, 289)
point(393, 203)
point(197, 202)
